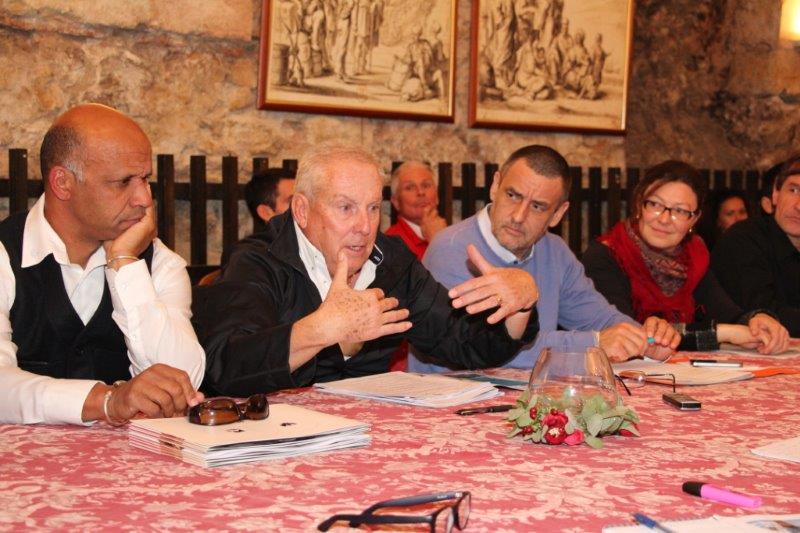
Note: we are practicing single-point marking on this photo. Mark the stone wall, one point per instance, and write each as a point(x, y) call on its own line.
point(709, 84)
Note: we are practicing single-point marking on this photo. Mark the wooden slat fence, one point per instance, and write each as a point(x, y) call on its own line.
point(598, 197)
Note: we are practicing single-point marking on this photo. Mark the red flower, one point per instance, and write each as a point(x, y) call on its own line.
point(628, 433)
point(555, 435)
point(576, 437)
point(527, 430)
point(555, 419)
point(533, 412)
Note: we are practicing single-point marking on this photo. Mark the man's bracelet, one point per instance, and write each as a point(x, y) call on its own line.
point(120, 258)
point(106, 398)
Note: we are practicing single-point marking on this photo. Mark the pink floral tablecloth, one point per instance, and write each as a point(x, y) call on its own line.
point(90, 478)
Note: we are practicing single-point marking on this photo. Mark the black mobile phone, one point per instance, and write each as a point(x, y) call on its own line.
point(684, 402)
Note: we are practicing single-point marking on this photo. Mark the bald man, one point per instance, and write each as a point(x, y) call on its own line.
point(94, 310)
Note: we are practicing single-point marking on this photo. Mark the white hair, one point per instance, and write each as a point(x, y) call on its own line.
point(408, 165)
point(313, 170)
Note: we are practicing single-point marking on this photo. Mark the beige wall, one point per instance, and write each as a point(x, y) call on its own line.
point(708, 84)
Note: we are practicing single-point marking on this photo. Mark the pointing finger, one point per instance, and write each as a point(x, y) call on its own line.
point(340, 276)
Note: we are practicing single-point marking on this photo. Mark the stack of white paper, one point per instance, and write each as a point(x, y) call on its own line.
point(289, 431)
point(424, 390)
point(685, 374)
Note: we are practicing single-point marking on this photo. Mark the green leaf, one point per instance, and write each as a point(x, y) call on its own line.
point(524, 419)
point(537, 435)
point(523, 398)
point(611, 424)
point(630, 427)
point(594, 424)
point(514, 432)
point(594, 442)
point(515, 413)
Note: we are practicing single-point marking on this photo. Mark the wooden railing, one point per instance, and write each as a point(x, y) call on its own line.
point(598, 197)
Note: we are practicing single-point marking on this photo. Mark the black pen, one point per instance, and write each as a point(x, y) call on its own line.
point(489, 409)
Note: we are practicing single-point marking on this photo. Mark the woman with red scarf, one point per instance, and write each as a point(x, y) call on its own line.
point(652, 265)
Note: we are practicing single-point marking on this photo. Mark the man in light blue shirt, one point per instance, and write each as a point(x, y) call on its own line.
point(529, 195)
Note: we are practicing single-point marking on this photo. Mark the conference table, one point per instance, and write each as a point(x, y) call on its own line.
point(90, 478)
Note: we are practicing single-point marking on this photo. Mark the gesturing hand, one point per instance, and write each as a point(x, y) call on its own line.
point(623, 341)
point(353, 316)
point(508, 289)
point(665, 338)
point(159, 391)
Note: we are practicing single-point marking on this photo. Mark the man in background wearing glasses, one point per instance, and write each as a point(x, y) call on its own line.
point(326, 297)
point(88, 296)
point(529, 196)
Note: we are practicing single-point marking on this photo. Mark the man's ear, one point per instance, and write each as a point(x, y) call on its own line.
point(559, 214)
point(265, 212)
point(61, 182)
point(395, 203)
point(495, 186)
point(300, 208)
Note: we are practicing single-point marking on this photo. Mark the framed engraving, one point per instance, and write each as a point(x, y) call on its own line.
point(377, 58)
point(550, 64)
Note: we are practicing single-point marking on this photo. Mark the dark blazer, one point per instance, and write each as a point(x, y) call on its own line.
point(759, 267)
point(244, 321)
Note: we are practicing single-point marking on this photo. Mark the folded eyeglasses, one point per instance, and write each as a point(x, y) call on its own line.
point(219, 411)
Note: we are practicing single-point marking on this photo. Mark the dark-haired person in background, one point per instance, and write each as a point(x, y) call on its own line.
point(94, 310)
point(267, 194)
point(529, 196)
point(652, 264)
point(722, 209)
point(758, 261)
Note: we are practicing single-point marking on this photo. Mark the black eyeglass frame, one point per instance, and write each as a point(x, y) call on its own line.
point(229, 410)
point(368, 517)
point(673, 211)
point(646, 375)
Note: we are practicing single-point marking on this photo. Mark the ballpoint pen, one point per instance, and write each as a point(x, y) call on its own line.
point(488, 409)
point(649, 522)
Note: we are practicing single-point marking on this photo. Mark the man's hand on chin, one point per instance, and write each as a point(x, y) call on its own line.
point(131, 242)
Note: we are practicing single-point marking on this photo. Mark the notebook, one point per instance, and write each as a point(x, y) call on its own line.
point(785, 450)
point(716, 524)
point(424, 390)
point(289, 431)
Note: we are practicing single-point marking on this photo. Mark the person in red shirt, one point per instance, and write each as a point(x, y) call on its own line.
point(416, 200)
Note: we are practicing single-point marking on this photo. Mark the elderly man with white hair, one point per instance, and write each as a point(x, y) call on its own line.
point(415, 198)
point(321, 295)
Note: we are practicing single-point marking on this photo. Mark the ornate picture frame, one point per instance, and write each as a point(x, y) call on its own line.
point(374, 58)
point(531, 66)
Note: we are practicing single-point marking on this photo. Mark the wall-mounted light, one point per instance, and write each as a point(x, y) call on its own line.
point(790, 22)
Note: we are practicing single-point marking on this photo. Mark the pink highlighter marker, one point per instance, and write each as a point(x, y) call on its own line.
point(717, 494)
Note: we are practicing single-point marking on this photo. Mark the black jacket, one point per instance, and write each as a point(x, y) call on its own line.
point(759, 267)
point(244, 321)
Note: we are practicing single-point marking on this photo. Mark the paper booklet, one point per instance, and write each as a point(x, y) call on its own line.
point(759, 523)
point(685, 374)
point(424, 390)
point(785, 450)
point(289, 431)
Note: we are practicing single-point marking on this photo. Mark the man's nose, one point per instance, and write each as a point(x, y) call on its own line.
point(362, 223)
point(142, 197)
point(520, 213)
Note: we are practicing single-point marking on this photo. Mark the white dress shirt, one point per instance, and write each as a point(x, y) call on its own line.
point(416, 228)
point(153, 312)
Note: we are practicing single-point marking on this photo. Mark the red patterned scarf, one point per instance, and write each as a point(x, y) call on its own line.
point(662, 284)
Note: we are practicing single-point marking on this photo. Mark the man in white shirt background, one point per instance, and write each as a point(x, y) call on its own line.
point(94, 310)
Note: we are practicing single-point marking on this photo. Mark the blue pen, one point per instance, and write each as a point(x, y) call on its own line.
point(650, 340)
point(649, 522)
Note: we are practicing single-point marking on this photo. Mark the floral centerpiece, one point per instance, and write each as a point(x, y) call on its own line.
point(543, 419)
point(571, 399)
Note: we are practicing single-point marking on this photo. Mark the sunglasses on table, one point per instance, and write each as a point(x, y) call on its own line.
point(634, 379)
point(219, 411)
point(443, 520)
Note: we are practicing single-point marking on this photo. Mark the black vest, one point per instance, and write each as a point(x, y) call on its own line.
point(51, 339)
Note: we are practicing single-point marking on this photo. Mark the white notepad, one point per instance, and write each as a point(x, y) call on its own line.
point(424, 390)
point(685, 374)
point(785, 450)
point(716, 524)
point(289, 431)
